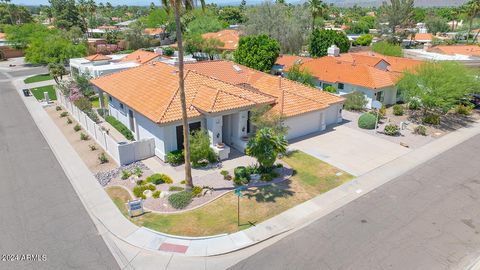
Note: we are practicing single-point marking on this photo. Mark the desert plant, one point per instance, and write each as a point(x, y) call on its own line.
point(58, 108)
point(463, 109)
point(367, 121)
point(414, 104)
point(197, 191)
point(382, 111)
point(138, 190)
point(180, 200)
point(355, 101)
point(431, 118)
point(77, 127)
point(159, 178)
point(398, 109)
point(126, 174)
point(241, 172)
point(92, 147)
point(226, 175)
point(391, 130)
point(175, 157)
point(200, 149)
point(421, 130)
point(240, 181)
point(183, 182)
point(69, 121)
point(175, 188)
point(102, 158)
point(64, 114)
point(156, 194)
point(138, 171)
point(266, 146)
point(84, 137)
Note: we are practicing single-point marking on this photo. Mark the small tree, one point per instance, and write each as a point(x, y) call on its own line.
point(320, 40)
point(258, 52)
point(57, 71)
point(200, 148)
point(301, 76)
point(264, 117)
point(364, 40)
point(355, 101)
point(387, 48)
point(266, 146)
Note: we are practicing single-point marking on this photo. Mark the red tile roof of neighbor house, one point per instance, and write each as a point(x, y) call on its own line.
point(213, 86)
point(140, 56)
point(229, 37)
point(98, 57)
point(153, 31)
point(472, 50)
point(287, 61)
point(423, 37)
point(3, 35)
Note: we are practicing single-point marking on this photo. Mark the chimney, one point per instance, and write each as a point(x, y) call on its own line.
point(333, 51)
point(427, 46)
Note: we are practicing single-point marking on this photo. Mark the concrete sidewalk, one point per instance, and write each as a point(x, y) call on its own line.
point(140, 247)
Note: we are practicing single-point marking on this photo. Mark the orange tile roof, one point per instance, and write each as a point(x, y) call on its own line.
point(292, 98)
point(287, 61)
point(98, 57)
point(472, 50)
point(152, 90)
point(140, 56)
point(423, 36)
point(3, 35)
point(153, 31)
point(229, 37)
point(396, 64)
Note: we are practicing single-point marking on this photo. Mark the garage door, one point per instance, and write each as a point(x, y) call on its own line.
point(303, 124)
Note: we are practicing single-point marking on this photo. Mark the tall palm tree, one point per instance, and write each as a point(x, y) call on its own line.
point(472, 8)
point(316, 9)
point(177, 6)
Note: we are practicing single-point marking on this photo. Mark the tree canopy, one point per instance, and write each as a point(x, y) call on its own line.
point(321, 40)
point(386, 48)
point(258, 52)
point(266, 146)
point(301, 76)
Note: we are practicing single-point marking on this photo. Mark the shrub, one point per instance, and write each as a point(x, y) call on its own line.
point(138, 190)
point(330, 89)
point(175, 188)
point(92, 147)
point(168, 51)
point(266, 146)
point(463, 109)
point(240, 181)
point(355, 101)
point(64, 114)
point(183, 182)
point(197, 191)
point(69, 121)
point(156, 194)
point(397, 109)
point(226, 175)
point(102, 112)
point(120, 127)
point(382, 112)
point(102, 158)
point(126, 174)
point(391, 130)
point(92, 115)
point(253, 170)
point(83, 104)
point(421, 130)
point(141, 182)
point(84, 137)
point(414, 104)
point(241, 172)
point(58, 108)
point(387, 48)
point(159, 178)
point(180, 200)
point(200, 150)
point(432, 119)
point(77, 127)
point(175, 157)
point(266, 177)
point(138, 171)
point(367, 121)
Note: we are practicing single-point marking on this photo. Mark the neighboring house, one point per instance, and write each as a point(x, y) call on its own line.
point(154, 32)
point(468, 55)
point(98, 64)
point(372, 74)
point(229, 37)
point(423, 37)
point(220, 96)
point(285, 62)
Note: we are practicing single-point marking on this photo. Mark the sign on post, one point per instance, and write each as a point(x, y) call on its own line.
point(377, 105)
point(238, 193)
point(135, 207)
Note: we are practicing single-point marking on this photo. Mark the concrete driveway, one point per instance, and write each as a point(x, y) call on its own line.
point(351, 150)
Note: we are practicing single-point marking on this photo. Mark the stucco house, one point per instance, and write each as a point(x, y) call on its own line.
point(220, 96)
point(370, 73)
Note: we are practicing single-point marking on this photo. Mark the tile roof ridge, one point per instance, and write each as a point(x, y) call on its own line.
point(173, 97)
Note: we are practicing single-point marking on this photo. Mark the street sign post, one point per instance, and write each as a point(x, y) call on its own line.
point(238, 192)
point(135, 207)
point(377, 105)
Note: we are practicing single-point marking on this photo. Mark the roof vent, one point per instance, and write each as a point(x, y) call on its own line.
point(333, 51)
point(237, 68)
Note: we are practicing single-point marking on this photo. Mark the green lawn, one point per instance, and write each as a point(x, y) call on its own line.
point(96, 101)
point(312, 177)
point(38, 78)
point(38, 92)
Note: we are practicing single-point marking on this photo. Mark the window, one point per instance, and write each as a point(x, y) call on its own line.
point(325, 85)
point(110, 98)
point(121, 106)
point(340, 86)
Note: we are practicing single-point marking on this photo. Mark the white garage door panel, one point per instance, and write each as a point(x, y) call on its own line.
point(303, 124)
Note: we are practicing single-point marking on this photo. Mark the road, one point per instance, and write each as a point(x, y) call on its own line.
point(429, 218)
point(41, 213)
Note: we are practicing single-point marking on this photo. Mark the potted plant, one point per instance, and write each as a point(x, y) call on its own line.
point(220, 145)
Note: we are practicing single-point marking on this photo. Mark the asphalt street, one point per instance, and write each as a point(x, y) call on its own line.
point(429, 218)
point(41, 215)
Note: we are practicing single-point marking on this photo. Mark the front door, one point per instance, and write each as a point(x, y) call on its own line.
point(226, 130)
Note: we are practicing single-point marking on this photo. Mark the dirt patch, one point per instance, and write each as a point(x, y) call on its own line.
point(89, 157)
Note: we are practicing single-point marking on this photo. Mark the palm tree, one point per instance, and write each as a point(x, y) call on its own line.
point(316, 9)
point(177, 6)
point(472, 8)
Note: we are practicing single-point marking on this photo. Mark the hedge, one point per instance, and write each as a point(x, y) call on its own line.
point(120, 127)
point(180, 200)
point(367, 121)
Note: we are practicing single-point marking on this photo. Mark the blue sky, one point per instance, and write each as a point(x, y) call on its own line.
point(122, 2)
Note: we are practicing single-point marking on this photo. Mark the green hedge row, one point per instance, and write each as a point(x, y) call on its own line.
point(120, 127)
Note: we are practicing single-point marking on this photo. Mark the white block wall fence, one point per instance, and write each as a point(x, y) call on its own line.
point(123, 153)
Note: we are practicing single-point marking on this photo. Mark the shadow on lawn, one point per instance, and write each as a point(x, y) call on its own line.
point(270, 193)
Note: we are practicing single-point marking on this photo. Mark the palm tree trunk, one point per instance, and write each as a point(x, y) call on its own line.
point(470, 23)
point(181, 88)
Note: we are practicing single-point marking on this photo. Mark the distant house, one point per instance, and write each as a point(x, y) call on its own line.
point(370, 73)
point(154, 32)
point(229, 37)
point(468, 55)
point(285, 61)
point(423, 37)
point(98, 64)
point(220, 96)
